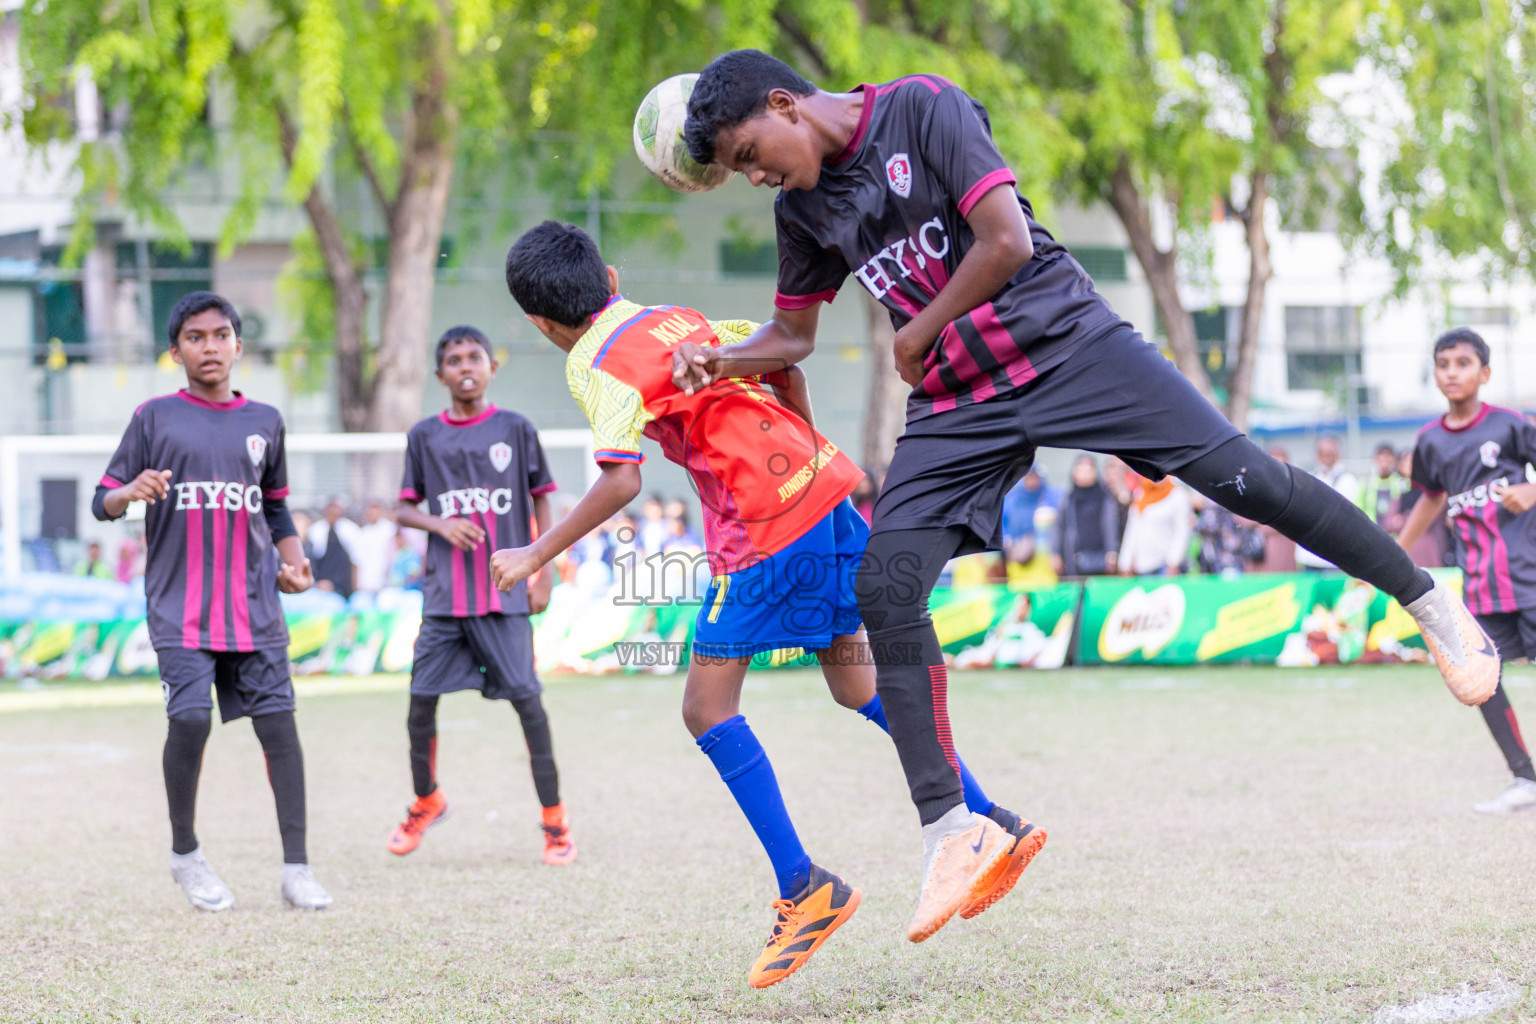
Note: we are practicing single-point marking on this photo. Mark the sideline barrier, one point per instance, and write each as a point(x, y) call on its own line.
point(1299, 620)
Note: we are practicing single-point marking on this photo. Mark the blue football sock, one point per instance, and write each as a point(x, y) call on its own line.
point(744, 767)
point(975, 798)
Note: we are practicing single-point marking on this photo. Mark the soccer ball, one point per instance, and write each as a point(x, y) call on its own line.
point(659, 139)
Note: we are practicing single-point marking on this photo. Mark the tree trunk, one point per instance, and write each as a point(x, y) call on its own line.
point(354, 393)
point(1240, 384)
point(415, 235)
point(885, 411)
point(1161, 268)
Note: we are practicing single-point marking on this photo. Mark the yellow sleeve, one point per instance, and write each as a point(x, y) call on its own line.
point(616, 412)
point(731, 331)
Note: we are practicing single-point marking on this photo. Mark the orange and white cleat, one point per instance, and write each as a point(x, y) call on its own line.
point(802, 925)
point(427, 811)
point(965, 866)
point(1027, 841)
point(559, 847)
point(1463, 652)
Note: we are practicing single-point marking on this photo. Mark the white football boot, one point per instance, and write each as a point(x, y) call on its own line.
point(300, 889)
point(1519, 795)
point(197, 879)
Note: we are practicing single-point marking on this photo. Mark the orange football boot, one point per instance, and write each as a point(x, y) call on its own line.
point(1027, 841)
point(559, 847)
point(961, 869)
point(423, 814)
point(803, 924)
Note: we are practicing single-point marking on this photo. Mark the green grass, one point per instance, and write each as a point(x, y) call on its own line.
point(1239, 845)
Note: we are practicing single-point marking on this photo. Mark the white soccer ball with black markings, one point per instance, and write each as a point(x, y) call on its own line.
point(659, 139)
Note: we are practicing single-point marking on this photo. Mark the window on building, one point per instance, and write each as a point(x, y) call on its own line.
point(58, 298)
point(1322, 346)
point(171, 273)
point(1105, 263)
point(749, 257)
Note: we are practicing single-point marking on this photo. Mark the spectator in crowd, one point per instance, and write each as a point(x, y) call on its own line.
point(682, 536)
point(94, 567)
point(864, 494)
point(1088, 528)
point(1157, 532)
point(405, 567)
point(1228, 544)
point(131, 556)
point(1436, 548)
point(1279, 550)
point(653, 526)
point(330, 559)
point(1029, 513)
point(1114, 477)
point(1381, 490)
point(1331, 471)
point(373, 548)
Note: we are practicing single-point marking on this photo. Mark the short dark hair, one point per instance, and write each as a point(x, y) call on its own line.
point(193, 303)
point(463, 332)
point(1386, 446)
point(554, 270)
point(1463, 336)
point(734, 88)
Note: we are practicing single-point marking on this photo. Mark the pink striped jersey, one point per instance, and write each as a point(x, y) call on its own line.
point(211, 577)
point(890, 209)
point(488, 470)
point(1469, 464)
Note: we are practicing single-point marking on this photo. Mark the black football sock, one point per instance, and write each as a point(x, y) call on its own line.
point(279, 738)
point(1506, 732)
point(421, 724)
point(541, 749)
point(182, 762)
point(1257, 486)
point(895, 577)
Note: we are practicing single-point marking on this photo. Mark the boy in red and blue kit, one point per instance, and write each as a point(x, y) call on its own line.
point(1470, 465)
point(783, 540)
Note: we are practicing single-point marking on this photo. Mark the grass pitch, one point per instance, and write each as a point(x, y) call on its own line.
point(1239, 845)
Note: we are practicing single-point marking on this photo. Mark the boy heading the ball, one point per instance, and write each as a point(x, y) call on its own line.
point(782, 536)
point(212, 468)
point(1471, 465)
point(1007, 347)
point(475, 478)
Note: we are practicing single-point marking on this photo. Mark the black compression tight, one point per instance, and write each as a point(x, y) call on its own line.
point(279, 738)
point(901, 566)
point(1259, 487)
point(421, 724)
point(182, 761)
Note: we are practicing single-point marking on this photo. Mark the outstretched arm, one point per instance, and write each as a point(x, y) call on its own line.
point(777, 345)
point(617, 487)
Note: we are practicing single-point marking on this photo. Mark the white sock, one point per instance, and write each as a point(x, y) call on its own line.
point(956, 820)
point(1433, 614)
point(186, 858)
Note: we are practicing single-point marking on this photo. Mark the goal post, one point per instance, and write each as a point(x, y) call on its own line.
point(320, 467)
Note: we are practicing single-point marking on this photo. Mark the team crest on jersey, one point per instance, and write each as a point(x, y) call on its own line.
point(898, 172)
point(1489, 453)
point(501, 455)
point(255, 447)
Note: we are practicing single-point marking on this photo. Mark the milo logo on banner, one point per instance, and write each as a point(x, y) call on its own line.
point(1144, 621)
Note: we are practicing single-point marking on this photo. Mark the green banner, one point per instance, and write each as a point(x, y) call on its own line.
point(1300, 620)
point(1296, 620)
